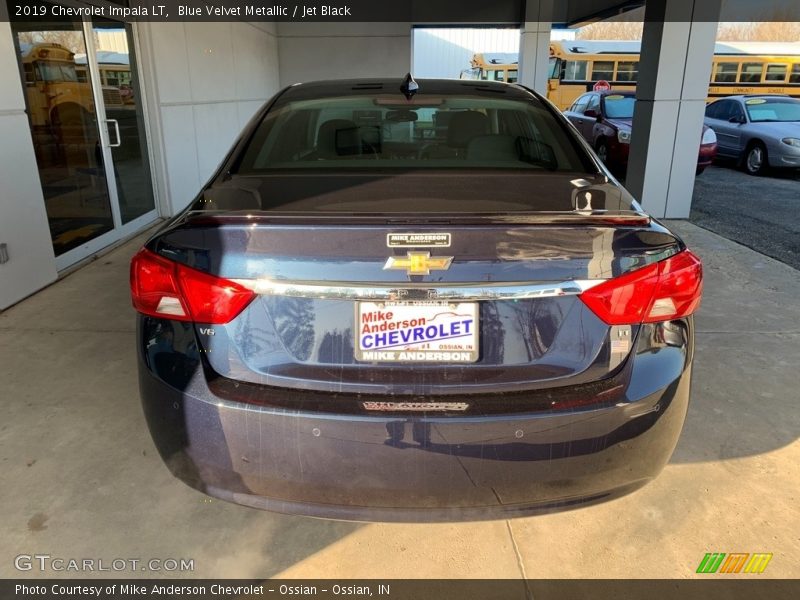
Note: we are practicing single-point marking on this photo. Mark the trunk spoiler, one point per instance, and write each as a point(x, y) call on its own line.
point(573, 217)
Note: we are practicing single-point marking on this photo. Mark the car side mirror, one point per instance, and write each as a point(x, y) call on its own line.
point(591, 113)
point(736, 119)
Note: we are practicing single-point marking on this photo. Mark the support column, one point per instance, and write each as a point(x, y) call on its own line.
point(534, 44)
point(674, 71)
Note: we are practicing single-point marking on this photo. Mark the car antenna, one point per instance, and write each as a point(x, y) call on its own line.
point(409, 86)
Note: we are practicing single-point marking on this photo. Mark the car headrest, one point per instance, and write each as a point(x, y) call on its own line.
point(338, 137)
point(465, 125)
point(493, 148)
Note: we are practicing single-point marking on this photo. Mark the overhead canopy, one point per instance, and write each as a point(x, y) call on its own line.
point(570, 13)
point(566, 13)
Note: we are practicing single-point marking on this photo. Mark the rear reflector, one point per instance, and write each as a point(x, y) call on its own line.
point(669, 289)
point(164, 288)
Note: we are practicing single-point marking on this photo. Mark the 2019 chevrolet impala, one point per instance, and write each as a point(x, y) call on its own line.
point(412, 301)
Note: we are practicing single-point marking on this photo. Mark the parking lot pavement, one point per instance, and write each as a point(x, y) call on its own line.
point(83, 480)
point(759, 212)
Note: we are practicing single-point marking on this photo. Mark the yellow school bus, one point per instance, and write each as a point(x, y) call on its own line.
point(737, 68)
point(59, 93)
point(115, 77)
point(493, 66)
point(576, 66)
point(57, 98)
point(755, 68)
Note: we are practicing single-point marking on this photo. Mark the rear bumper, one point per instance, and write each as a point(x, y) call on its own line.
point(387, 467)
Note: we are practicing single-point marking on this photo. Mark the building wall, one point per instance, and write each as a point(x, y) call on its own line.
point(311, 51)
point(23, 221)
point(206, 81)
point(446, 51)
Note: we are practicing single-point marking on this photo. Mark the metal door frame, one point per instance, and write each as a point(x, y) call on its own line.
point(120, 230)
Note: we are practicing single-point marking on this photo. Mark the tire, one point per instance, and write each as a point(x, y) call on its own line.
point(755, 159)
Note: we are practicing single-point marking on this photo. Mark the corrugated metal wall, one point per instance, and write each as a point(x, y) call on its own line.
point(445, 52)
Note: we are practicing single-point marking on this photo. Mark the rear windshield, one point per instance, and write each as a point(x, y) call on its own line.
point(619, 106)
point(377, 132)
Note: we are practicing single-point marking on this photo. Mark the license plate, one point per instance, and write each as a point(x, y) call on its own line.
point(424, 331)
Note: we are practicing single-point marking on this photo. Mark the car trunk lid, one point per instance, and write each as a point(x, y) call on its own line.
point(323, 284)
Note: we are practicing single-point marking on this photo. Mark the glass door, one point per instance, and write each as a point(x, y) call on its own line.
point(118, 83)
point(65, 129)
point(84, 110)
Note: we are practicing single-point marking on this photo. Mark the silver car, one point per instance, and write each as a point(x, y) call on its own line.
point(758, 131)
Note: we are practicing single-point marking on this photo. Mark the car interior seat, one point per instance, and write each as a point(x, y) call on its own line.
point(462, 127)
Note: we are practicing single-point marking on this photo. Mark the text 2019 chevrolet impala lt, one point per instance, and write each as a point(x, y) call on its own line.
point(414, 301)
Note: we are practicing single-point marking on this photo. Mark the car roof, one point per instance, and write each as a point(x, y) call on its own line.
point(742, 97)
point(349, 87)
point(616, 92)
point(626, 93)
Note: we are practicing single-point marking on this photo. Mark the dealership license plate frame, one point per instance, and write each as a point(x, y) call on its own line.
point(410, 353)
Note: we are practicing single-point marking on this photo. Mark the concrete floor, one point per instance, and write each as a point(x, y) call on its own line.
point(758, 212)
point(81, 478)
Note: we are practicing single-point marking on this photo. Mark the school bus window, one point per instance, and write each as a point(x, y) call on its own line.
point(751, 73)
point(554, 68)
point(117, 78)
point(795, 75)
point(30, 78)
point(627, 71)
point(512, 76)
point(603, 69)
point(726, 72)
point(576, 70)
point(53, 71)
point(775, 73)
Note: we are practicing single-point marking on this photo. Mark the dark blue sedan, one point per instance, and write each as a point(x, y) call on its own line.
point(414, 301)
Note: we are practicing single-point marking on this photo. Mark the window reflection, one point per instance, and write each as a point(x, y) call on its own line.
point(64, 129)
point(74, 168)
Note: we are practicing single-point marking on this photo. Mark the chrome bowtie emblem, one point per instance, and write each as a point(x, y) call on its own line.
point(419, 263)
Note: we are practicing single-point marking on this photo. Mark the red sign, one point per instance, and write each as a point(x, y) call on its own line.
point(602, 86)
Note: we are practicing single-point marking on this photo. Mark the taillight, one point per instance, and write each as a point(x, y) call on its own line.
point(163, 288)
point(669, 289)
